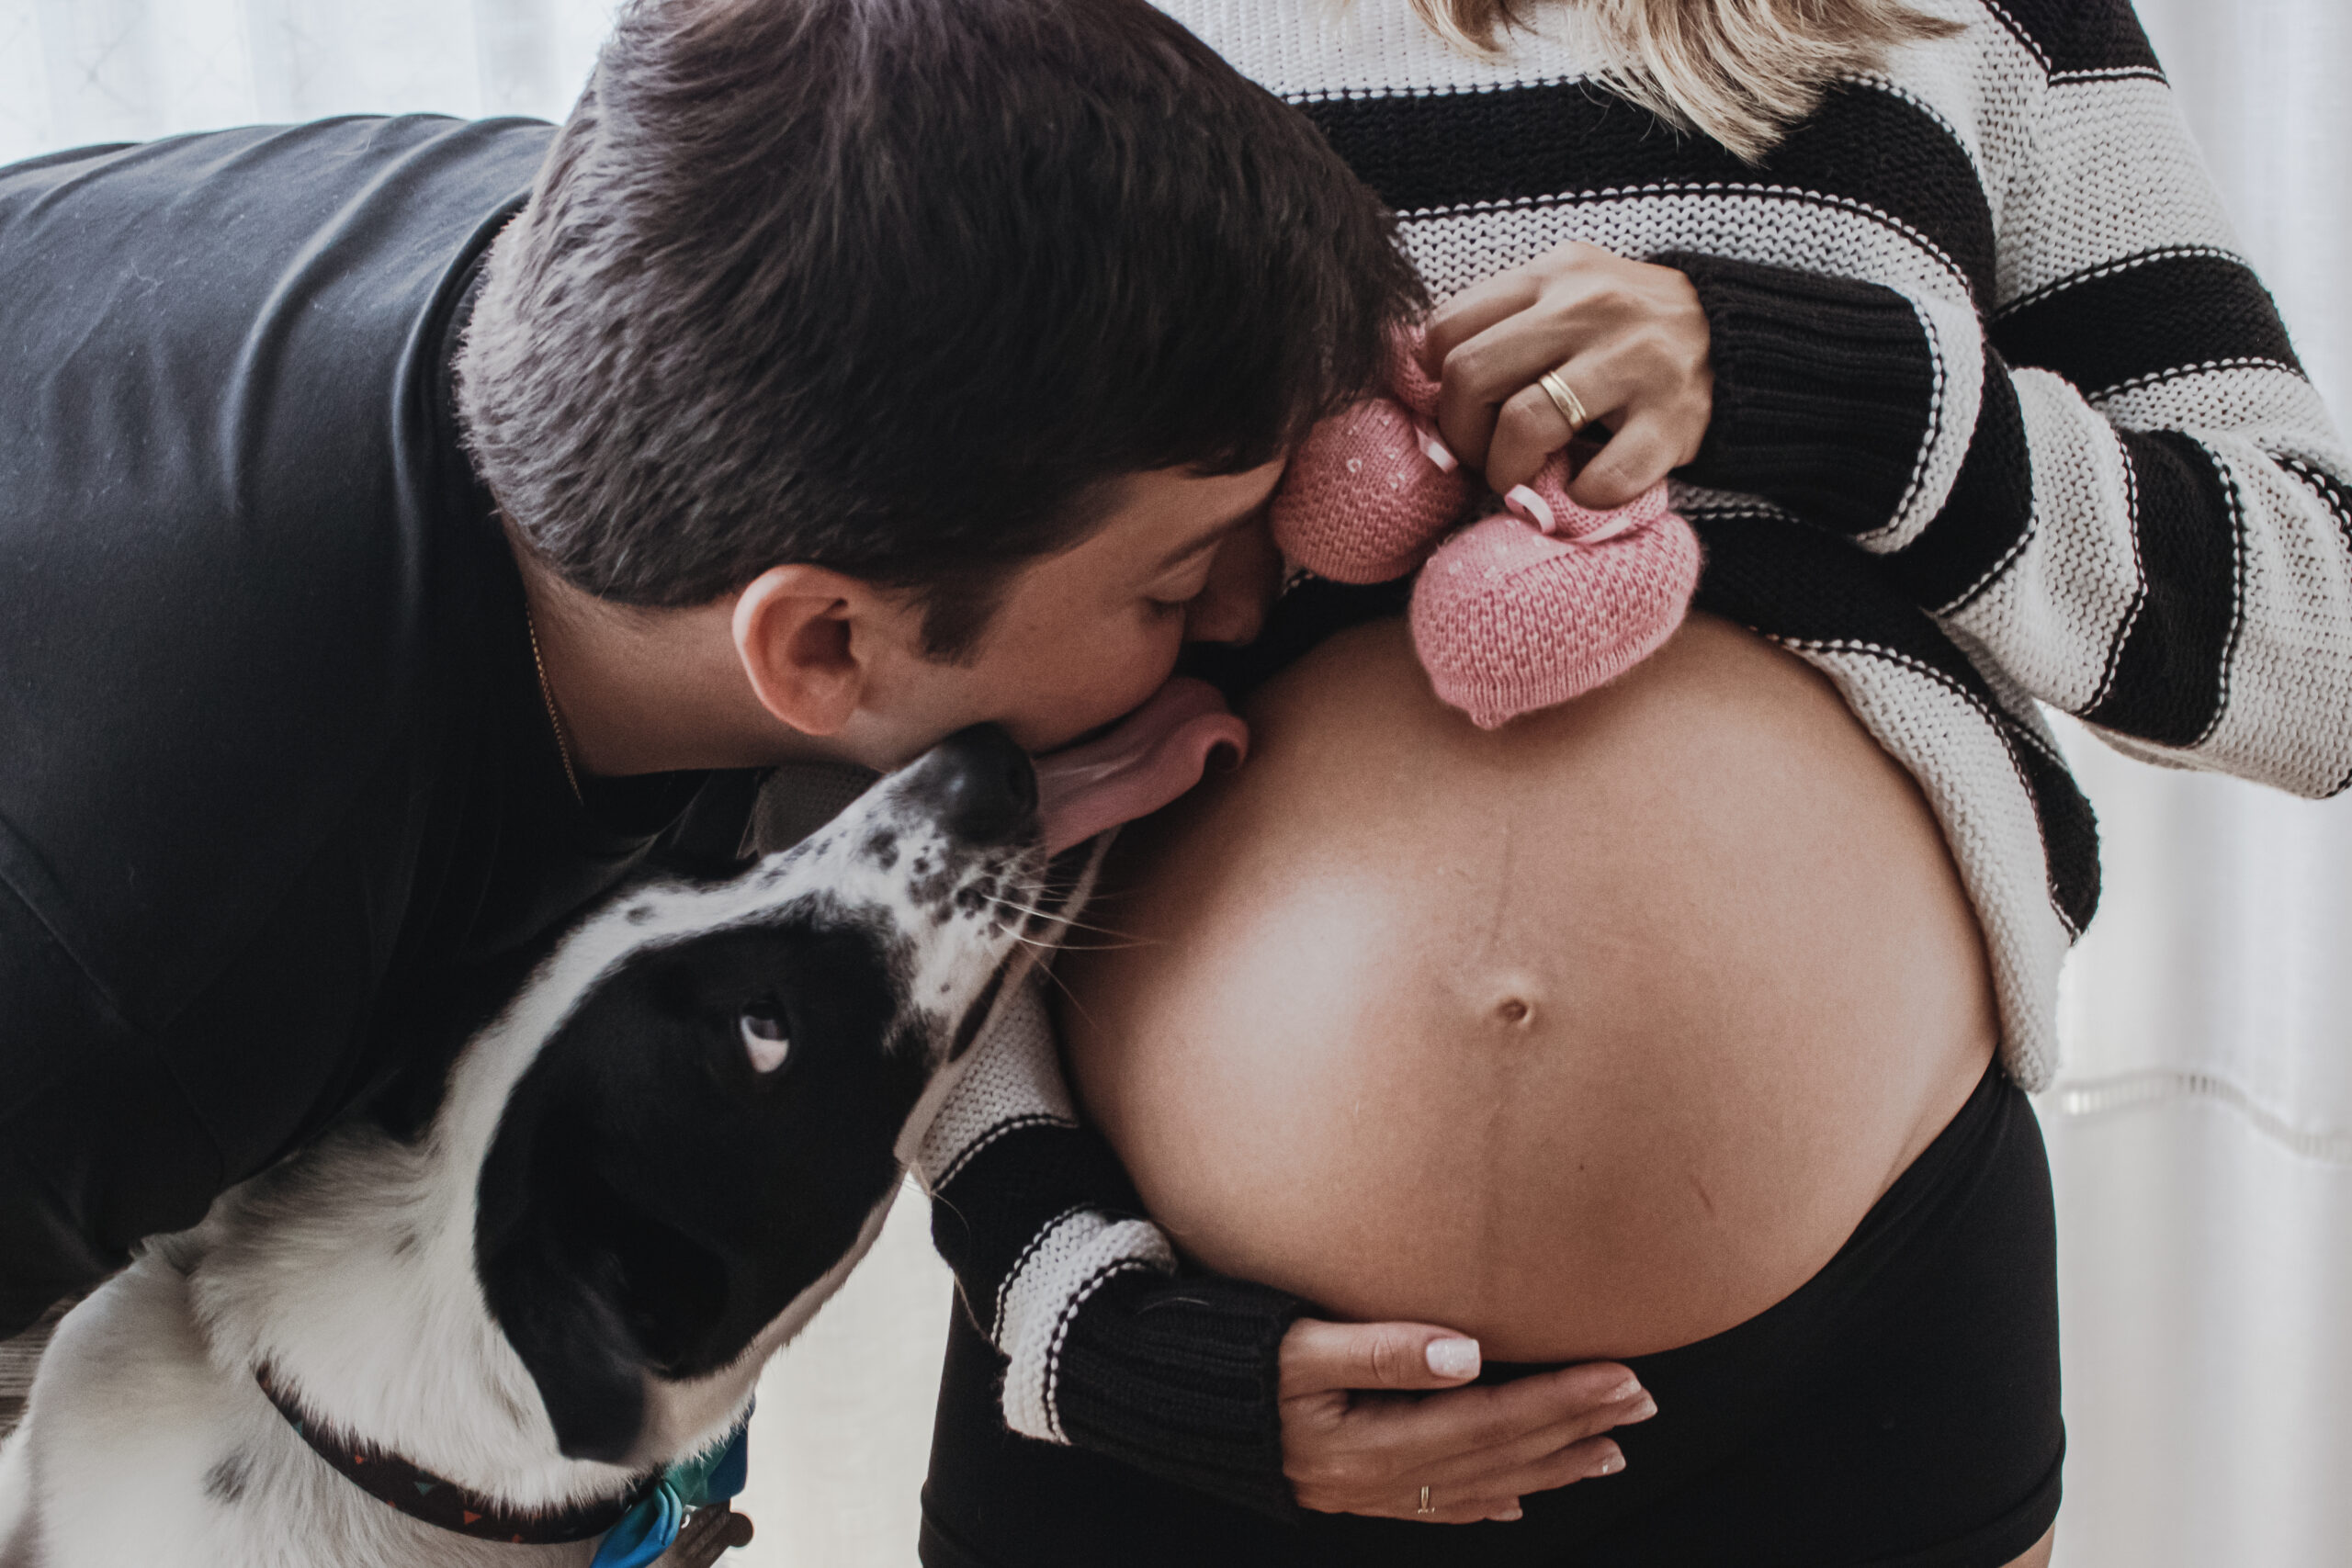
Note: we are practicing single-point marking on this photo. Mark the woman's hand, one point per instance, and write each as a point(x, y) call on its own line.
point(1629, 339)
point(1360, 1435)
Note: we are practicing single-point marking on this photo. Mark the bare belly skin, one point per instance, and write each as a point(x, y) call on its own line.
point(1591, 1036)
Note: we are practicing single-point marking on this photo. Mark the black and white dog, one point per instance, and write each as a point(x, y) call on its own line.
point(644, 1175)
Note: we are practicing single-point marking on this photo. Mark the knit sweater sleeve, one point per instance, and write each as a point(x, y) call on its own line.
point(2111, 480)
point(1108, 1345)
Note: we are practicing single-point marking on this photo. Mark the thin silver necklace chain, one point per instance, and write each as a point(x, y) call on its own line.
point(554, 715)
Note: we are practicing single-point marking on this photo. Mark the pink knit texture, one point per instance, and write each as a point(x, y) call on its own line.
point(1508, 618)
point(1367, 495)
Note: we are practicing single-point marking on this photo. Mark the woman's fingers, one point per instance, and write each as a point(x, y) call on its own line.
point(1629, 339)
point(1496, 1495)
point(1479, 1472)
point(1575, 1402)
point(1650, 444)
point(1482, 375)
point(1499, 1496)
point(1356, 1440)
point(1567, 270)
point(1321, 1357)
point(1530, 427)
point(1474, 310)
point(1649, 424)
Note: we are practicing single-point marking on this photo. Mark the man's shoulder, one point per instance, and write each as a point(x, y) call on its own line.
point(232, 517)
point(269, 269)
point(228, 343)
point(235, 175)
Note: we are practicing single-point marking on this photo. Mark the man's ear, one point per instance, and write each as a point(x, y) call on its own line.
point(803, 635)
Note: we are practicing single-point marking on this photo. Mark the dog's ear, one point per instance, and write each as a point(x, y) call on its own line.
point(594, 1293)
point(552, 1281)
point(566, 1323)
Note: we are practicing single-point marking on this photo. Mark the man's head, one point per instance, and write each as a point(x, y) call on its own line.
point(918, 292)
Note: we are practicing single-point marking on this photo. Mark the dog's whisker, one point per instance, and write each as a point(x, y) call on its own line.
point(1078, 925)
point(1001, 902)
point(1045, 947)
point(1070, 995)
point(947, 1203)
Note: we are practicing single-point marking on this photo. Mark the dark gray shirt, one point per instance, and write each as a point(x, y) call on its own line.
point(279, 795)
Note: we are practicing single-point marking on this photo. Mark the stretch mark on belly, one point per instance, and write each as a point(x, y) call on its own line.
point(1705, 1197)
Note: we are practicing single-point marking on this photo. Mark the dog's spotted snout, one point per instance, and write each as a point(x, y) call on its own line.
point(980, 786)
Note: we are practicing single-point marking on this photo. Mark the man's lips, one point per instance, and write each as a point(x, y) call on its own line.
point(1144, 760)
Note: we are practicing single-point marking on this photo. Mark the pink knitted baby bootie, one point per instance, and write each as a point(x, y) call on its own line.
point(1509, 618)
point(1371, 489)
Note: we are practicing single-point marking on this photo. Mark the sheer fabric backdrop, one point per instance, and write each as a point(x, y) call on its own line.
point(2202, 1133)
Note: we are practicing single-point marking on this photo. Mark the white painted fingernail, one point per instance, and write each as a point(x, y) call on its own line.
point(1454, 1357)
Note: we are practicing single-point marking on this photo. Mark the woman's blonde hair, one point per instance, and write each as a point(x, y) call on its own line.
point(1743, 71)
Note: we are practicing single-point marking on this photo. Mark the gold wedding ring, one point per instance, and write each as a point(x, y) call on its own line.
point(1565, 399)
point(1425, 1507)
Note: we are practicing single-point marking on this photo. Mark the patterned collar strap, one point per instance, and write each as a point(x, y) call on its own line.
point(423, 1496)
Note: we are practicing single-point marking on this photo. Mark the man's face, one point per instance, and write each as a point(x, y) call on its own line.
point(1081, 638)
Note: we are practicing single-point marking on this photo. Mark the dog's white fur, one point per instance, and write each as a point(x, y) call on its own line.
point(350, 1272)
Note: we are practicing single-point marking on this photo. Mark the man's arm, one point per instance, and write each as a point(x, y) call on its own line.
point(97, 1149)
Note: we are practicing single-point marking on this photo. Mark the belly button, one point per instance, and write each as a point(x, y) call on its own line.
point(1513, 1004)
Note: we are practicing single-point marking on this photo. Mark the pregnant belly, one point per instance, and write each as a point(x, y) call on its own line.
point(1591, 1036)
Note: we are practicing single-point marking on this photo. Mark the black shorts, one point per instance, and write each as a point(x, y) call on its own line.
point(1899, 1410)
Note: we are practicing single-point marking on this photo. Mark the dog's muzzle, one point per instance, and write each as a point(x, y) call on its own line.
point(981, 788)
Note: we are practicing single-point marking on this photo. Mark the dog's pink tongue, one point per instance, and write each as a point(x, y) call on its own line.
point(1155, 754)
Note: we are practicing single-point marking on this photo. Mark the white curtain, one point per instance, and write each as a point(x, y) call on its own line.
point(2202, 1133)
point(75, 72)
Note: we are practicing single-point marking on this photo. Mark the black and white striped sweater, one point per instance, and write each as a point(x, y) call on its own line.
point(2002, 417)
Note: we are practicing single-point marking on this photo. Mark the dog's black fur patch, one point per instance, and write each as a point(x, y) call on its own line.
point(651, 1202)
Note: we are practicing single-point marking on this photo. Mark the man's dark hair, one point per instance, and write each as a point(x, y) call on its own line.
point(900, 287)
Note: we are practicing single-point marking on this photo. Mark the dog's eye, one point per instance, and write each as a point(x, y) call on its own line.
point(762, 1029)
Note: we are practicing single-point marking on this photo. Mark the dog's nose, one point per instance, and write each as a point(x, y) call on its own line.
point(984, 786)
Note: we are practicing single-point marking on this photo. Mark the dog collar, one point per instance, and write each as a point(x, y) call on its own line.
point(423, 1496)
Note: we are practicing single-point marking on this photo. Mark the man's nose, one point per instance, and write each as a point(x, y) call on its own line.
point(1243, 579)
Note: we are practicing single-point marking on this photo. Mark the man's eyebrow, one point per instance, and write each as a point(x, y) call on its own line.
point(1211, 539)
